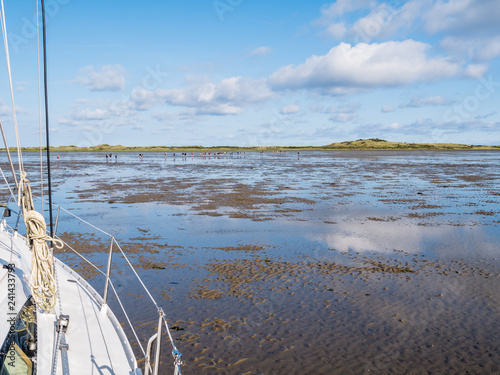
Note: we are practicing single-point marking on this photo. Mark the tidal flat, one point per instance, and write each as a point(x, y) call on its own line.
point(323, 262)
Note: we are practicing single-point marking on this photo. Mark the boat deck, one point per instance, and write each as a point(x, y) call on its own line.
point(96, 341)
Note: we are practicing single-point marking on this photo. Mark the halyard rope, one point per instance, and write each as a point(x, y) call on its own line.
point(43, 283)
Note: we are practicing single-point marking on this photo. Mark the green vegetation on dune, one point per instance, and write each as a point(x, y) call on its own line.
point(380, 144)
point(360, 144)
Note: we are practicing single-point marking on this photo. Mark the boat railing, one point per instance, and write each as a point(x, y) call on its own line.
point(114, 247)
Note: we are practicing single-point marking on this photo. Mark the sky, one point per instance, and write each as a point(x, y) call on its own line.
point(256, 73)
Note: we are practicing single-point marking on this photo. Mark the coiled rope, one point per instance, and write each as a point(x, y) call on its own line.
point(43, 282)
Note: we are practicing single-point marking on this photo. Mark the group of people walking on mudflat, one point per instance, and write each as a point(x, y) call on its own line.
point(109, 157)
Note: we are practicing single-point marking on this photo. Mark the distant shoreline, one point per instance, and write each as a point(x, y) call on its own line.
point(360, 145)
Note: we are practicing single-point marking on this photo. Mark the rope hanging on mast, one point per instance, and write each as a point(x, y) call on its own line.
point(43, 282)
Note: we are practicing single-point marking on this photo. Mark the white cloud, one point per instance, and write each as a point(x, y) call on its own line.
point(372, 25)
point(86, 114)
point(4, 109)
point(109, 78)
point(465, 21)
point(260, 51)
point(346, 68)
point(381, 21)
point(430, 130)
point(419, 101)
point(475, 70)
point(338, 9)
point(21, 86)
point(290, 109)
point(395, 21)
point(345, 112)
point(336, 30)
point(227, 97)
point(342, 113)
point(79, 115)
point(463, 17)
point(394, 125)
point(142, 99)
point(477, 49)
point(86, 111)
point(387, 108)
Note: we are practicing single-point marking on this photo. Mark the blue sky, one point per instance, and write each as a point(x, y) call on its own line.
point(257, 73)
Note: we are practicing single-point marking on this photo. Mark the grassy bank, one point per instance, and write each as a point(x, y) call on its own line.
point(380, 144)
point(360, 144)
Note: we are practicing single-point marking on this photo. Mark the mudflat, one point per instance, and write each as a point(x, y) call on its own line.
point(323, 262)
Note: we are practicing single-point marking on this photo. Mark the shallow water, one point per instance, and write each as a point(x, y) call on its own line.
point(327, 262)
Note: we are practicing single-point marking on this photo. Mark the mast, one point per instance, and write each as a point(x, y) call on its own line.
point(47, 118)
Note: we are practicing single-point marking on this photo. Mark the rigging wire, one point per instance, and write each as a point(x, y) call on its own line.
point(7, 56)
point(8, 155)
point(39, 103)
point(4, 35)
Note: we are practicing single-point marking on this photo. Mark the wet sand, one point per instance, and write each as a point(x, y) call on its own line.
point(332, 263)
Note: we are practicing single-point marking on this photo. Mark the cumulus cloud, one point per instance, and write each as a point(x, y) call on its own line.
point(387, 108)
point(227, 97)
point(477, 49)
point(347, 68)
point(336, 30)
point(79, 115)
point(290, 109)
point(98, 112)
point(338, 9)
point(341, 113)
point(432, 130)
point(4, 109)
point(475, 70)
point(260, 51)
point(108, 78)
point(419, 101)
point(386, 19)
point(464, 17)
point(21, 86)
point(344, 112)
point(142, 99)
point(380, 20)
